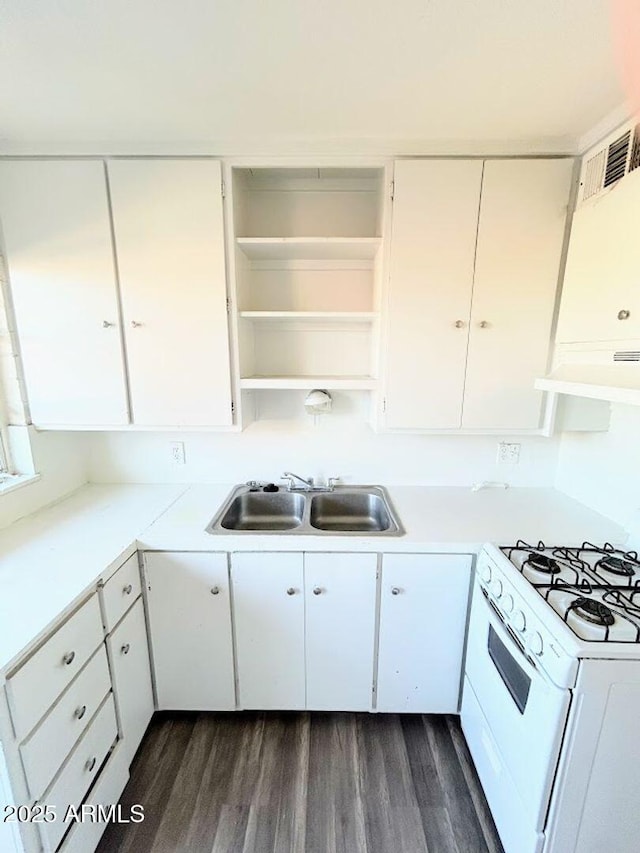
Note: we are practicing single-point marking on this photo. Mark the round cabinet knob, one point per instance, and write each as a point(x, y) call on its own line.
point(215, 590)
point(483, 324)
point(126, 590)
point(107, 325)
point(536, 643)
point(91, 763)
point(497, 588)
point(624, 314)
point(508, 603)
point(125, 649)
point(317, 590)
point(291, 591)
point(80, 712)
point(395, 590)
point(519, 621)
point(69, 658)
point(485, 573)
point(459, 324)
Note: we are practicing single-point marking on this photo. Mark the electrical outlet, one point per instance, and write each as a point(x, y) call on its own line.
point(508, 453)
point(177, 452)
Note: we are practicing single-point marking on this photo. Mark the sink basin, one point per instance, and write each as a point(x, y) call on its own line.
point(264, 511)
point(344, 511)
point(361, 512)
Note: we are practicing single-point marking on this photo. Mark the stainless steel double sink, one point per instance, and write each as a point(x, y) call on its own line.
point(346, 510)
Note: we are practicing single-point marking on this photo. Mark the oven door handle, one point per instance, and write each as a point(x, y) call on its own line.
point(510, 640)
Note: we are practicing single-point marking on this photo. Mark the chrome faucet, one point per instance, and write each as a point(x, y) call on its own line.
point(307, 485)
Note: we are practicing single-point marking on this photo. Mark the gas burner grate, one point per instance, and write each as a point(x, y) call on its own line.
point(591, 610)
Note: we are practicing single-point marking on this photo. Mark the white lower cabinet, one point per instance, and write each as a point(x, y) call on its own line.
point(423, 616)
point(129, 655)
point(268, 604)
point(190, 630)
point(340, 607)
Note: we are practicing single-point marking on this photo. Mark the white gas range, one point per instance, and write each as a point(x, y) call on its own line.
point(551, 702)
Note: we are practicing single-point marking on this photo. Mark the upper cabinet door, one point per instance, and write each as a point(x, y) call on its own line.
point(57, 236)
point(435, 216)
point(520, 239)
point(169, 237)
point(601, 295)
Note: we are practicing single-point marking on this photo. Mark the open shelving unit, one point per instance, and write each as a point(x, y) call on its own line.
point(308, 269)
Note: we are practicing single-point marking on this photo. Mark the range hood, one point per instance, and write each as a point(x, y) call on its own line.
point(596, 371)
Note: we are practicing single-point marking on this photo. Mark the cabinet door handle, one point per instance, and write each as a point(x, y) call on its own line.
point(80, 712)
point(291, 591)
point(126, 590)
point(68, 658)
point(395, 590)
point(483, 324)
point(317, 590)
point(215, 590)
point(107, 325)
point(459, 324)
point(91, 763)
point(624, 314)
point(135, 324)
point(125, 649)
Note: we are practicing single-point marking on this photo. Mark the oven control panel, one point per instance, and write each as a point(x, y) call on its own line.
point(536, 640)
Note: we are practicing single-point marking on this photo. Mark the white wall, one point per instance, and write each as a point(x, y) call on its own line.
point(62, 461)
point(602, 470)
point(265, 450)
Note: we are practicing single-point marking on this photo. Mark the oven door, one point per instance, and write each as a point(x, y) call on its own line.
point(525, 712)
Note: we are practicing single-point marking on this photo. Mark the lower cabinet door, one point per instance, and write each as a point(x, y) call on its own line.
point(423, 614)
point(268, 604)
point(190, 630)
point(131, 672)
point(340, 609)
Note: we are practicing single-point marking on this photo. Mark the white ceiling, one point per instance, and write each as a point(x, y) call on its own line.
point(250, 76)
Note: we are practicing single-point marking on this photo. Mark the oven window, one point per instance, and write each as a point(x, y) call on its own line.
point(516, 681)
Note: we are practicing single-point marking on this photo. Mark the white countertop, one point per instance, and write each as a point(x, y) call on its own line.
point(49, 561)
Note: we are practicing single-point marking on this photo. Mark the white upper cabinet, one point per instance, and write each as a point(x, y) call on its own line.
point(475, 259)
point(601, 295)
point(169, 236)
point(520, 237)
point(435, 216)
point(57, 238)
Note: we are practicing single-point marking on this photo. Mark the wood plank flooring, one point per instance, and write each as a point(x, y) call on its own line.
point(304, 783)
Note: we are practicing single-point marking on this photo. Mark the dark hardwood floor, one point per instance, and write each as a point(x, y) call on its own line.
point(304, 783)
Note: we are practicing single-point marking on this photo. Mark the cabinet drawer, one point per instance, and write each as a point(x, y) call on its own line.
point(84, 837)
point(120, 591)
point(80, 770)
point(35, 686)
point(47, 747)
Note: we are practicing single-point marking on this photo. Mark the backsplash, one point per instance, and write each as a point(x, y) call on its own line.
point(356, 454)
point(602, 469)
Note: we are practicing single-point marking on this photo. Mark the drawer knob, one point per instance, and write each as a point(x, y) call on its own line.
point(291, 591)
point(317, 590)
point(80, 712)
point(125, 649)
point(127, 589)
point(91, 763)
point(459, 324)
point(395, 590)
point(69, 658)
point(215, 590)
point(624, 314)
point(483, 324)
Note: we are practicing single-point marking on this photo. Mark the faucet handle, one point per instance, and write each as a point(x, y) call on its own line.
point(332, 482)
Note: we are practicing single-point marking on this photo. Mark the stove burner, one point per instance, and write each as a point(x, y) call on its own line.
point(616, 566)
point(544, 564)
point(592, 610)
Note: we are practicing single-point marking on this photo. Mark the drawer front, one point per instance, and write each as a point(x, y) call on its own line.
point(120, 591)
point(84, 837)
point(35, 686)
point(80, 770)
point(47, 747)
